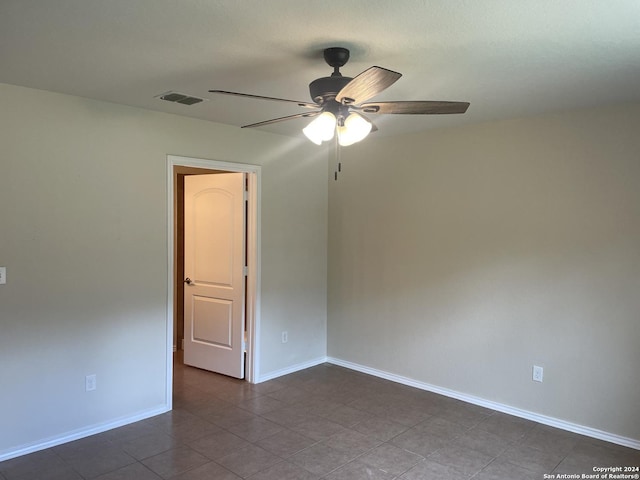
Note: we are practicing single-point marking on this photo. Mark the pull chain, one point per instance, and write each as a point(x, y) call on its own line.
point(338, 159)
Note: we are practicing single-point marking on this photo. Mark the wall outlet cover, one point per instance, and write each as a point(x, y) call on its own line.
point(90, 383)
point(538, 373)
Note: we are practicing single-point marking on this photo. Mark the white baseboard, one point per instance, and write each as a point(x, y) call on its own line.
point(80, 433)
point(292, 369)
point(517, 412)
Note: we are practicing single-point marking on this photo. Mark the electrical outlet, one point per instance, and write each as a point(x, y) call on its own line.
point(90, 383)
point(3, 275)
point(538, 373)
point(285, 337)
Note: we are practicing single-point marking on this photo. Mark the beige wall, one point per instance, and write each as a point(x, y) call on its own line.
point(83, 234)
point(462, 257)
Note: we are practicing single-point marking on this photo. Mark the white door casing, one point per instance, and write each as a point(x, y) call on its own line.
point(214, 261)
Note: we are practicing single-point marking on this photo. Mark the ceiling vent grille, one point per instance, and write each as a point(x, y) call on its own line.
point(180, 98)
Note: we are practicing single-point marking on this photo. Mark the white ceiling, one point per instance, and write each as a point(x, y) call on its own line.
point(509, 58)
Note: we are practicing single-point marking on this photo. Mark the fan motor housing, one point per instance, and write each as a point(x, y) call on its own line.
point(325, 88)
point(336, 57)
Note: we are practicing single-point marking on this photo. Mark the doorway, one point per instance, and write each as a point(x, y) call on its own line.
point(178, 167)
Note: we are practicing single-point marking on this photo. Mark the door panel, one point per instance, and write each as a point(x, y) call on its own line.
point(213, 224)
point(214, 234)
point(214, 323)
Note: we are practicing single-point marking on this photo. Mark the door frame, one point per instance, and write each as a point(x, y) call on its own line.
point(254, 175)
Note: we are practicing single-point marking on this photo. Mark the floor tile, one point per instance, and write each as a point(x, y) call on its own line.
point(419, 442)
point(407, 416)
point(465, 414)
point(320, 406)
point(320, 459)
point(261, 404)
point(218, 445)
point(167, 420)
point(351, 442)
point(391, 459)
point(207, 408)
point(373, 404)
point(607, 452)
point(285, 443)
point(284, 471)
point(270, 386)
point(590, 453)
point(508, 427)
point(43, 465)
point(290, 416)
point(500, 470)
point(208, 471)
point(431, 470)
point(130, 432)
point(191, 429)
point(462, 459)
point(255, 429)
point(249, 460)
point(188, 397)
point(443, 429)
point(576, 463)
point(318, 429)
point(359, 471)
point(345, 395)
point(545, 438)
point(83, 447)
point(483, 441)
point(381, 428)
point(236, 393)
point(532, 459)
point(93, 460)
point(347, 416)
point(135, 471)
point(290, 395)
point(175, 461)
point(230, 416)
point(149, 445)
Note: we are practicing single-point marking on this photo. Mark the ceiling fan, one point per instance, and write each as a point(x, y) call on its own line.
point(338, 102)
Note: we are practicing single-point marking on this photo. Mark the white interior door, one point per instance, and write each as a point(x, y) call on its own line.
point(214, 260)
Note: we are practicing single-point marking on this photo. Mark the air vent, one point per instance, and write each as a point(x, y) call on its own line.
point(180, 98)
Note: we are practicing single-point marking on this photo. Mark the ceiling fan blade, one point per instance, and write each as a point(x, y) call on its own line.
point(283, 119)
point(415, 107)
point(259, 97)
point(366, 85)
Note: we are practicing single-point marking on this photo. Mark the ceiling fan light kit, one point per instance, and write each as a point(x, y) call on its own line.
point(355, 128)
point(340, 102)
point(321, 128)
point(349, 130)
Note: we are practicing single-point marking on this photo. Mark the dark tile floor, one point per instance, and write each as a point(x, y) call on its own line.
point(324, 422)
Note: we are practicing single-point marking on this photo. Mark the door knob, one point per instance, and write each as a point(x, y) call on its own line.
point(188, 281)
